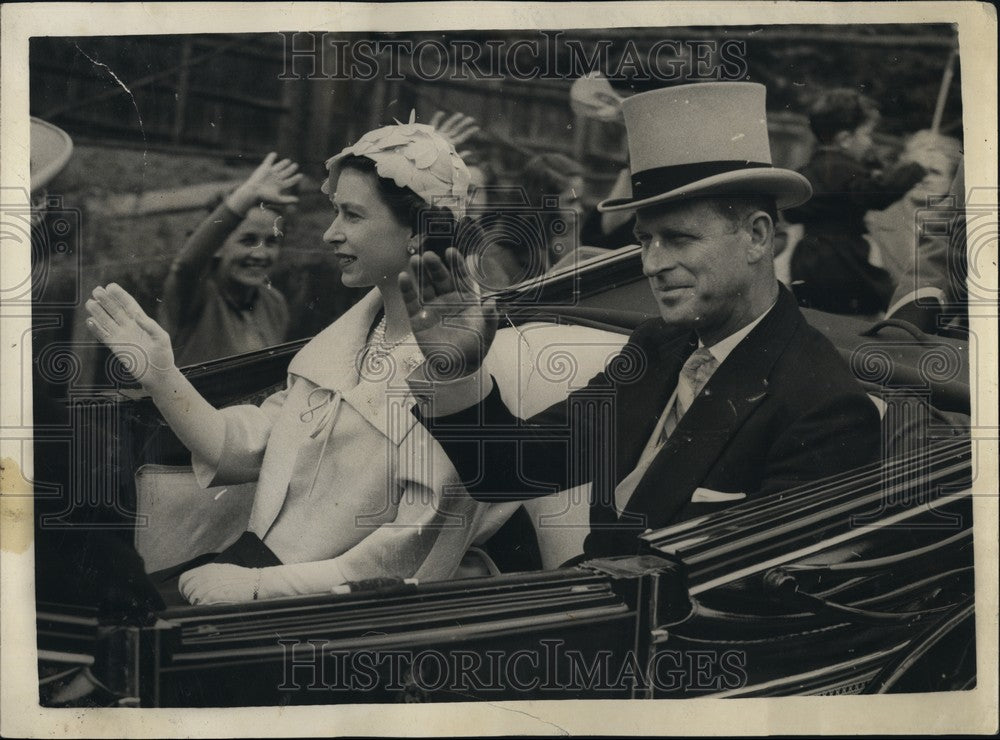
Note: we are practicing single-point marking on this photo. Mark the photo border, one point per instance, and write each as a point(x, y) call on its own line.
point(973, 711)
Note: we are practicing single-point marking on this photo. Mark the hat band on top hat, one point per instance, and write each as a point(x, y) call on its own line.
point(658, 180)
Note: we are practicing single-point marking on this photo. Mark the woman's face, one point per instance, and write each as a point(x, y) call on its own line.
point(368, 241)
point(247, 256)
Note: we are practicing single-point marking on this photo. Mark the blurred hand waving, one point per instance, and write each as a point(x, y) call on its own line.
point(453, 328)
point(268, 184)
point(458, 128)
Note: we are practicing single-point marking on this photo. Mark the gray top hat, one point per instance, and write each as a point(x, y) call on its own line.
point(703, 139)
point(51, 148)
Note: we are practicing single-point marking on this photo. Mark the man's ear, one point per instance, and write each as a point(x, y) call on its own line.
point(761, 229)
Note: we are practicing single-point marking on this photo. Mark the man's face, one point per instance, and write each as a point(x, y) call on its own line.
point(696, 262)
point(937, 182)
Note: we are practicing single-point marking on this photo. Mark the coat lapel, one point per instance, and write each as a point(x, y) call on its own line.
point(736, 388)
point(638, 406)
point(384, 399)
point(332, 360)
point(641, 403)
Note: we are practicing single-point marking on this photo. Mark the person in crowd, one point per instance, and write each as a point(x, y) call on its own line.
point(786, 238)
point(349, 486)
point(831, 267)
point(893, 230)
point(218, 299)
point(541, 233)
point(592, 96)
point(460, 130)
point(932, 293)
point(511, 250)
point(554, 186)
point(611, 230)
point(729, 395)
point(457, 129)
point(481, 179)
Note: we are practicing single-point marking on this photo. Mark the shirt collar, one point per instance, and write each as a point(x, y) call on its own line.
point(721, 349)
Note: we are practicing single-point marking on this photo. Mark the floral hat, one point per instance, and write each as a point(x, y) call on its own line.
point(413, 155)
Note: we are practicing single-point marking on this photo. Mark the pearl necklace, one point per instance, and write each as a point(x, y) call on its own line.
point(377, 344)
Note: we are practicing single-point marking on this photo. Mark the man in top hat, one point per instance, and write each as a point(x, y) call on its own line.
point(727, 396)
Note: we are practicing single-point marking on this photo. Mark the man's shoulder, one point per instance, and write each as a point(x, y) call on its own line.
point(813, 365)
point(798, 361)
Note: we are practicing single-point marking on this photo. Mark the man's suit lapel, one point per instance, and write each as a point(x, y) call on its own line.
point(640, 404)
point(733, 392)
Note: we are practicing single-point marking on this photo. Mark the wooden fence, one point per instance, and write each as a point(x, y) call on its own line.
point(224, 94)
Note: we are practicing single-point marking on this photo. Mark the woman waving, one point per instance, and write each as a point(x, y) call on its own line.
point(349, 485)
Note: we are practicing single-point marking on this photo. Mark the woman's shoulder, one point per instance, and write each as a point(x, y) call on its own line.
point(332, 353)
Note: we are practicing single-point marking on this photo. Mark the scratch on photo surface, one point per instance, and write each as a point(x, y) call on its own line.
point(527, 344)
point(562, 730)
point(142, 129)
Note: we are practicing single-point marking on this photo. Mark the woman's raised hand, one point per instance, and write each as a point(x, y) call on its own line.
point(268, 184)
point(453, 328)
point(141, 344)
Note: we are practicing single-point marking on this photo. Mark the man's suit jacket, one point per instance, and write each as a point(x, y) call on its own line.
point(783, 409)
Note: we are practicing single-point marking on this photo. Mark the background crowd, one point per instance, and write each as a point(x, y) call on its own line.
point(876, 149)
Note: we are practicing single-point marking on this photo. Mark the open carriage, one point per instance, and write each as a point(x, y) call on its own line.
point(858, 584)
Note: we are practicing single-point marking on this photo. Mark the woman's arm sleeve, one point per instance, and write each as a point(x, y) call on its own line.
point(428, 537)
point(248, 429)
point(189, 266)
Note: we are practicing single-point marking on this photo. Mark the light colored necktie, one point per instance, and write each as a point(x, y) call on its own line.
point(693, 377)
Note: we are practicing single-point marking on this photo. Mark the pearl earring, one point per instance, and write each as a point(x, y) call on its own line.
point(411, 249)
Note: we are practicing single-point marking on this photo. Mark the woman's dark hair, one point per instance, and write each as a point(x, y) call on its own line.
point(840, 109)
point(436, 225)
